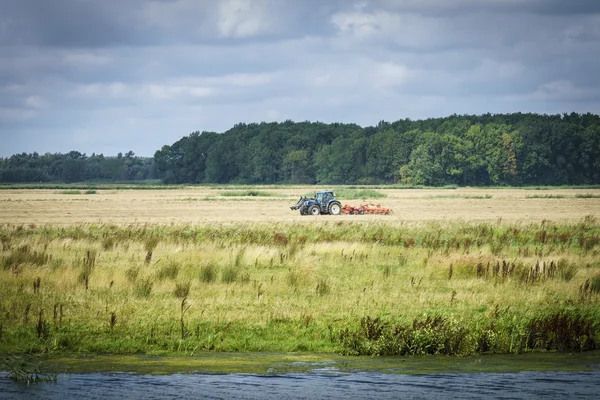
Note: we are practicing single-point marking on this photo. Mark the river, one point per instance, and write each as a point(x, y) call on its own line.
point(526, 377)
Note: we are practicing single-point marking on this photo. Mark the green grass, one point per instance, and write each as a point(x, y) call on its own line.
point(546, 196)
point(93, 185)
point(25, 369)
point(548, 187)
point(461, 196)
point(250, 193)
point(373, 288)
point(563, 196)
point(70, 191)
point(354, 194)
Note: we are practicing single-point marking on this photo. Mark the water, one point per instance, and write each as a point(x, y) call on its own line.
point(321, 383)
point(314, 376)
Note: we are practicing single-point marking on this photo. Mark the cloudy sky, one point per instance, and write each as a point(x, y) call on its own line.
point(112, 76)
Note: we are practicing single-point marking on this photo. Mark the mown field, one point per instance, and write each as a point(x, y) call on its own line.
point(233, 204)
point(453, 271)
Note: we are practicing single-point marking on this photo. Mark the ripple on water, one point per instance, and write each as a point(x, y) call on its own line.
point(311, 385)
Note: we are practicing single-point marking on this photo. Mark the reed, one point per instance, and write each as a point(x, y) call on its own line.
point(87, 267)
point(563, 330)
point(182, 290)
point(356, 288)
point(208, 273)
point(168, 271)
point(25, 368)
point(229, 274)
point(143, 288)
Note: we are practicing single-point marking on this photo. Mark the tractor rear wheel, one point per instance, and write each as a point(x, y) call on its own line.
point(335, 208)
point(314, 210)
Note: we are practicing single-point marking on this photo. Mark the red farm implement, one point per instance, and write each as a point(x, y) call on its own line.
point(369, 208)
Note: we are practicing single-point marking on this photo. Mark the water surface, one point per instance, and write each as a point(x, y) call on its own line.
point(314, 376)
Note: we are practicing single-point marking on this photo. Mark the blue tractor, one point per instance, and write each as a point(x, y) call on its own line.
point(323, 203)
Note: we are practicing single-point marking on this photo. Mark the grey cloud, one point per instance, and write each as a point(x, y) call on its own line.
point(116, 76)
point(65, 23)
point(461, 7)
point(90, 23)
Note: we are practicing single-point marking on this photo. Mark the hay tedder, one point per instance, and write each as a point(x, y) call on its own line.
point(368, 208)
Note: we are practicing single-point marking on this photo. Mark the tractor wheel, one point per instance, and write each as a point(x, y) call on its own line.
point(314, 210)
point(303, 211)
point(335, 208)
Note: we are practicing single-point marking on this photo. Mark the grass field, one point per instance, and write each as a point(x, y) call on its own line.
point(232, 204)
point(461, 271)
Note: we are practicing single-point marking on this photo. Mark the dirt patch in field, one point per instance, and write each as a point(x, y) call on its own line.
point(199, 205)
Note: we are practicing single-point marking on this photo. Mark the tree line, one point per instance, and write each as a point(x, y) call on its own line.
point(76, 167)
point(505, 149)
point(464, 150)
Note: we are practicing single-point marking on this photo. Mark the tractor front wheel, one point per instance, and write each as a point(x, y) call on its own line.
point(335, 209)
point(314, 210)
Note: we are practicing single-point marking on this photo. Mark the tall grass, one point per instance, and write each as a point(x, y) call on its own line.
point(432, 235)
point(208, 273)
point(356, 288)
point(562, 330)
point(168, 271)
point(25, 369)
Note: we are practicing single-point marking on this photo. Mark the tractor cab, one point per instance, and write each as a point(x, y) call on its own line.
point(324, 197)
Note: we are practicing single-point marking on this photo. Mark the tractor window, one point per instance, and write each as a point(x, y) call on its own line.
point(319, 197)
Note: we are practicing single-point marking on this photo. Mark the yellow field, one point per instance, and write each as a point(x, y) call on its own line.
point(198, 205)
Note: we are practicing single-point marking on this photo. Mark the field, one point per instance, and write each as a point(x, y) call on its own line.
point(452, 271)
point(199, 205)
